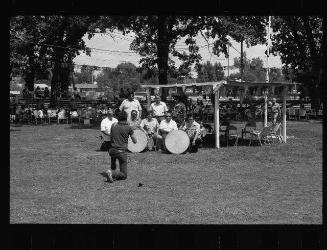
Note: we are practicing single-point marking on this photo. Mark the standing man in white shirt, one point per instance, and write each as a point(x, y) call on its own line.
point(131, 104)
point(158, 108)
point(106, 124)
point(165, 127)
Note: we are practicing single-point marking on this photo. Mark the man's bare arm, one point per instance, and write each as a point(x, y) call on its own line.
point(134, 140)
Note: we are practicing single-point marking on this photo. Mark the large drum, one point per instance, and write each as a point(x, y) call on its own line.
point(177, 141)
point(141, 142)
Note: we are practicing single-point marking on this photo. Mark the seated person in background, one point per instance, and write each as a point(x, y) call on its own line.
point(165, 127)
point(150, 126)
point(193, 130)
point(134, 121)
point(179, 111)
point(275, 110)
point(46, 93)
point(62, 113)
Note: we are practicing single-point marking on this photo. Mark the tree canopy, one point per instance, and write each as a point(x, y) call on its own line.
point(156, 38)
point(299, 42)
point(208, 72)
point(255, 72)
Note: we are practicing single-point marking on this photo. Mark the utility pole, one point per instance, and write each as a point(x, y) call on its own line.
point(242, 64)
point(265, 122)
point(228, 62)
point(268, 47)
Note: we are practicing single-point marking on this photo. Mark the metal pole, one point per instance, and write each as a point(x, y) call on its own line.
point(228, 63)
point(242, 64)
point(284, 114)
point(266, 110)
point(267, 71)
point(217, 118)
point(268, 47)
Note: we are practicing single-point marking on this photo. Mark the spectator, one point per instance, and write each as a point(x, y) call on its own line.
point(13, 113)
point(46, 93)
point(38, 93)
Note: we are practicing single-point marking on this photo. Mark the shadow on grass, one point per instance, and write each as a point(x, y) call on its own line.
point(105, 175)
point(14, 130)
point(209, 142)
point(82, 126)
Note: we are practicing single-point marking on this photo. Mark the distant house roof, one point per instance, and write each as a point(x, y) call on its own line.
point(86, 86)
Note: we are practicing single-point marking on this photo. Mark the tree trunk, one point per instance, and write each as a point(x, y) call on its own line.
point(30, 75)
point(55, 84)
point(29, 80)
point(163, 53)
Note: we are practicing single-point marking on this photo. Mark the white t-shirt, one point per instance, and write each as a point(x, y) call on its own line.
point(159, 109)
point(168, 126)
point(151, 127)
point(106, 126)
point(128, 106)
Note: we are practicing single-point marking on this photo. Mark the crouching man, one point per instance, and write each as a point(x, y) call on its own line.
point(193, 130)
point(119, 140)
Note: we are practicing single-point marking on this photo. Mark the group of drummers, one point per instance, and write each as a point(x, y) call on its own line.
point(152, 132)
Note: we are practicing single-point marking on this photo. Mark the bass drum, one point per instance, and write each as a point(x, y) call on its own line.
point(141, 142)
point(177, 141)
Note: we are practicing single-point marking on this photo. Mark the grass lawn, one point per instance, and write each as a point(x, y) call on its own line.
point(57, 176)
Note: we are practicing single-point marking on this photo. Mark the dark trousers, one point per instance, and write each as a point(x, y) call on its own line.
point(194, 148)
point(121, 155)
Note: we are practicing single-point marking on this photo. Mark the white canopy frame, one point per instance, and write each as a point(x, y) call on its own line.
point(216, 86)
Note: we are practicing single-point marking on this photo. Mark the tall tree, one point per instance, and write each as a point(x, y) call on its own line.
point(299, 42)
point(41, 42)
point(26, 54)
point(209, 73)
point(156, 37)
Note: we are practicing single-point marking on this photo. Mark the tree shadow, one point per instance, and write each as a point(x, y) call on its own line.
point(14, 130)
point(82, 126)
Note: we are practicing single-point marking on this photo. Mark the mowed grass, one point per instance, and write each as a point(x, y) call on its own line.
point(56, 176)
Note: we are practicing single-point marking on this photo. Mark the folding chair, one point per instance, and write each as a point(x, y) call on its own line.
point(260, 135)
point(274, 135)
point(292, 114)
point(232, 134)
point(249, 126)
point(223, 128)
point(311, 114)
point(302, 114)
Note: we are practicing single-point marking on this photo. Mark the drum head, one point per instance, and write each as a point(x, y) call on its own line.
point(141, 142)
point(177, 141)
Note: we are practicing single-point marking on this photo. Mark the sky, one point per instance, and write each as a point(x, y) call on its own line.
point(111, 50)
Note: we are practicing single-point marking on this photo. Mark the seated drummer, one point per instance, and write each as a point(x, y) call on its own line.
point(193, 130)
point(165, 127)
point(150, 126)
point(134, 121)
